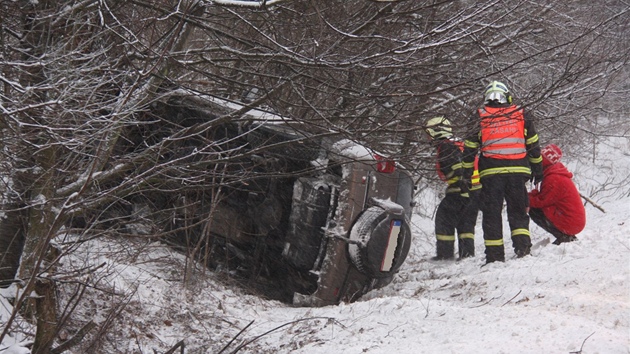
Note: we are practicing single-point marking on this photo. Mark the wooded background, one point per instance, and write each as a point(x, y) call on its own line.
point(80, 81)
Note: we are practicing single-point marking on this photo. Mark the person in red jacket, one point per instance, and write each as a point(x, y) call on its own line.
point(557, 207)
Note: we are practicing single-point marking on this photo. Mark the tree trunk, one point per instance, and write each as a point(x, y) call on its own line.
point(46, 308)
point(35, 184)
point(11, 240)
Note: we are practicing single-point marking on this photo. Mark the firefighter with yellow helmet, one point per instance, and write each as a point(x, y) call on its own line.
point(459, 208)
point(509, 156)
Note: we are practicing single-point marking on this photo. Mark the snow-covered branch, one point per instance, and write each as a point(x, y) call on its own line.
point(249, 3)
point(268, 3)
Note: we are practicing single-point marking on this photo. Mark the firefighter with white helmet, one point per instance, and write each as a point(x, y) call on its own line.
point(509, 156)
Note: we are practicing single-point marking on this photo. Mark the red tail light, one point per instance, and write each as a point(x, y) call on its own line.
point(383, 165)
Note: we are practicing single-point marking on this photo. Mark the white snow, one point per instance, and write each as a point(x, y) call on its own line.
point(572, 298)
point(350, 149)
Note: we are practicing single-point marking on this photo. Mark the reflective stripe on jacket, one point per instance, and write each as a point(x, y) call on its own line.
point(475, 180)
point(492, 166)
point(453, 176)
point(502, 133)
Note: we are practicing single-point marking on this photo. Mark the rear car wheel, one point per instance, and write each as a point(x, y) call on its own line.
point(381, 242)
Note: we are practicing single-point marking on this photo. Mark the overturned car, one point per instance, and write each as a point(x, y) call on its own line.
point(309, 220)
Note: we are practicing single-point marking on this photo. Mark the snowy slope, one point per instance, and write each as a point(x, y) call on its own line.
point(572, 298)
point(561, 299)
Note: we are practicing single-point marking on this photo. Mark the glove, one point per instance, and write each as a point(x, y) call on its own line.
point(468, 172)
point(537, 174)
point(536, 178)
point(464, 188)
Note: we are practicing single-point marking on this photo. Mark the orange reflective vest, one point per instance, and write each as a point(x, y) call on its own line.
point(502, 133)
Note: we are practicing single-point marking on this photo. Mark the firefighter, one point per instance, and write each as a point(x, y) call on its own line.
point(459, 208)
point(557, 207)
point(509, 157)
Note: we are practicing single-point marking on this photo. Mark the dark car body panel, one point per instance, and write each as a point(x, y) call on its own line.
point(319, 220)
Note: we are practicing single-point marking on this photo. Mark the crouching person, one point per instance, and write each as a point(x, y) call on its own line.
point(557, 206)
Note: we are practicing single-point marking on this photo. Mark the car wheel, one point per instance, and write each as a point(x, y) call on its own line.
point(381, 242)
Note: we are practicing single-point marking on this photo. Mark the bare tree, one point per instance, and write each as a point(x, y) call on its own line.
point(84, 86)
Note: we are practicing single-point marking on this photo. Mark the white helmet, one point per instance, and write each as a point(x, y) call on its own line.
point(497, 92)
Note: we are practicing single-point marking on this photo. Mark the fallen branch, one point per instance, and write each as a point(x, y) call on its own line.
point(582, 347)
point(76, 339)
point(513, 297)
point(487, 302)
point(236, 336)
point(179, 344)
point(589, 200)
point(243, 345)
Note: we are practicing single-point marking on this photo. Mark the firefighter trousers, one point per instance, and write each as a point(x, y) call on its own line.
point(511, 189)
point(456, 213)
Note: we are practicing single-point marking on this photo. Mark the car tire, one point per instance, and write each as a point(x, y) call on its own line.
point(370, 236)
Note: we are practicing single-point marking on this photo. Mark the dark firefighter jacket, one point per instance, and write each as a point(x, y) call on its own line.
point(508, 142)
point(449, 165)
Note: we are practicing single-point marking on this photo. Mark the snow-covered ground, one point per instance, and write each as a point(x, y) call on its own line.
point(572, 298)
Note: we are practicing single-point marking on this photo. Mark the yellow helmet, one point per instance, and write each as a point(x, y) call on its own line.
point(497, 92)
point(438, 128)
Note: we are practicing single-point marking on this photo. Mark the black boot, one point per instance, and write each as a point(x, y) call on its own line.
point(466, 248)
point(522, 245)
point(495, 254)
point(520, 253)
point(445, 250)
point(564, 238)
